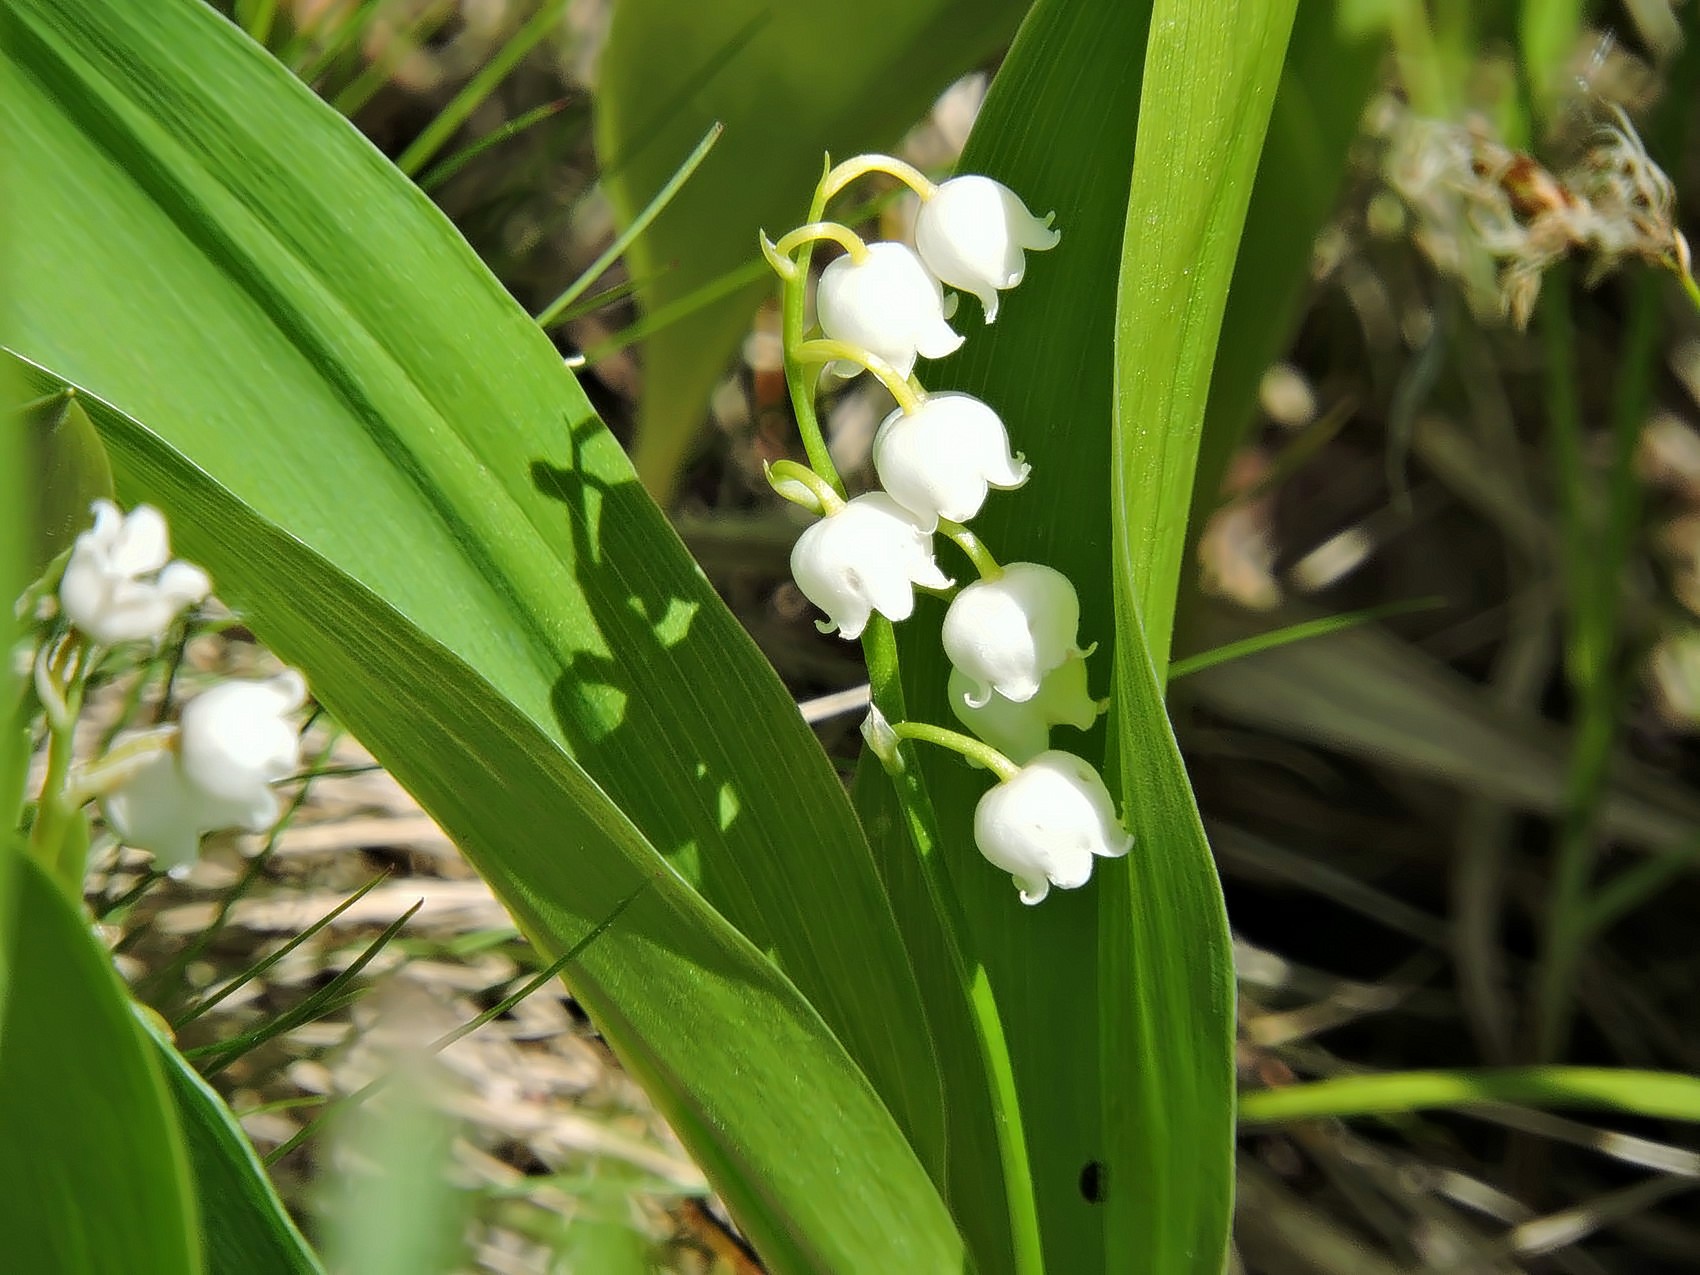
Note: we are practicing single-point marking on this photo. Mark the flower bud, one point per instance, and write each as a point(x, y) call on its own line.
point(886, 304)
point(971, 233)
point(120, 584)
point(233, 743)
point(865, 557)
point(938, 460)
point(1003, 635)
point(1023, 731)
point(1045, 825)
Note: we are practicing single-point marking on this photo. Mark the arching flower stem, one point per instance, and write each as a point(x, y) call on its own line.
point(782, 473)
point(862, 165)
point(779, 254)
point(973, 749)
point(973, 546)
point(92, 778)
point(908, 394)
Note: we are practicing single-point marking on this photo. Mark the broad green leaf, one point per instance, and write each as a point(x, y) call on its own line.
point(303, 325)
point(1058, 140)
point(742, 1066)
point(1211, 73)
point(245, 1229)
point(1047, 366)
point(789, 82)
point(93, 1173)
point(1210, 85)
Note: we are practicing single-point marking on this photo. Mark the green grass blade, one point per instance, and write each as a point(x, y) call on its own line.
point(640, 223)
point(371, 81)
point(259, 967)
point(94, 1176)
point(1303, 631)
point(440, 173)
point(489, 77)
point(1656, 1094)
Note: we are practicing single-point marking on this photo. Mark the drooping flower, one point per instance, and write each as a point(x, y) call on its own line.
point(939, 459)
point(120, 584)
point(866, 556)
point(1004, 634)
point(1023, 731)
point(974, 234)
point(886, 304)
point(1046, 824)
point(233, 743)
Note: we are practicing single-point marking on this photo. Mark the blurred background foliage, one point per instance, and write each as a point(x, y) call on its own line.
point(1465, 833)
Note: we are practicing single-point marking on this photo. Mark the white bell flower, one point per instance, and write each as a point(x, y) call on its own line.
point(234, 742)
point(1022, 731)
point(939, 459)
point(865, 556)
point(974, 233)
point(1003, 635)
point(1046, 824)
point(886, 304)
point(120, 584)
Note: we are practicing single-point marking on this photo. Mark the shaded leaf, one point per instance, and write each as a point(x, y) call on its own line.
point(93, 1173)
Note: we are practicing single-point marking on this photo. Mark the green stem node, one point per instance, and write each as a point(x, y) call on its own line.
point(781, 473)
point(814, 232)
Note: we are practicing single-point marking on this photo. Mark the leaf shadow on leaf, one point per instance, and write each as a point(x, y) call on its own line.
point(650, 625)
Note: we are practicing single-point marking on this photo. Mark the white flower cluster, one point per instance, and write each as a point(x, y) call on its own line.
point(162, 790)
point(1012, 635)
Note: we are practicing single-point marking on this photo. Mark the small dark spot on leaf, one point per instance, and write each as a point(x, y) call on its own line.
point(1092, 1184)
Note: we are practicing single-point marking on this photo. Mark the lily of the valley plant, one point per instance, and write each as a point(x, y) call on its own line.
point(160, 789)
point(1011, 634)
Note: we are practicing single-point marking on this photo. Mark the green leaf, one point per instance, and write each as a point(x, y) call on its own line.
point(71, 472)
point(789, 82)
point(245, 1228)
point(1126, 1178)
point(744, 1069)
point(1211, 72)
point(1057, 139)
point(93, 1172)
point(1210, 84)
point(303, 325)
point(1657, 1094)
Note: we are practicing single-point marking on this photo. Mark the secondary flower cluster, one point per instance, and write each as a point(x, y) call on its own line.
point(1011, 636)
point(161, 790)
